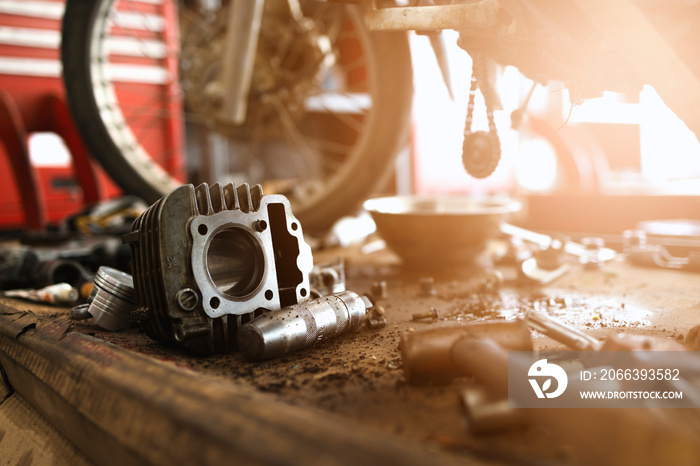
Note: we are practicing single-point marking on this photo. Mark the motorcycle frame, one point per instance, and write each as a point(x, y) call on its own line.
point(649, 57)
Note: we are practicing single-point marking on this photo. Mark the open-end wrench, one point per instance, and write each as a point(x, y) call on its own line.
point(585, 254)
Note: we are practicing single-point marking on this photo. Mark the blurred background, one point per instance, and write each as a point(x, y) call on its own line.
point(320, 123)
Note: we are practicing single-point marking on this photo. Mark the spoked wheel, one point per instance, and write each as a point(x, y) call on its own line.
point(328, 107)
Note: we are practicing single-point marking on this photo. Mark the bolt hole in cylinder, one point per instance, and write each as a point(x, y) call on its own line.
point(202, 229)
point(235, 263)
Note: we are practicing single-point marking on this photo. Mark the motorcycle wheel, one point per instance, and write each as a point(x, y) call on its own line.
point(328, 110)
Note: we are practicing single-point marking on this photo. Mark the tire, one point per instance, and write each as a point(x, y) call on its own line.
point(379, 130)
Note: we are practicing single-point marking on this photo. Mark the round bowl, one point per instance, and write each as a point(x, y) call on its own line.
point(440, 229)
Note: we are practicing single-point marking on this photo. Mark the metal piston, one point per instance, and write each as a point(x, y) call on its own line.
point(113, 299)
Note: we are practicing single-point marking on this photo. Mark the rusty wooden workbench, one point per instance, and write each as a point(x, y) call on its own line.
point(124, 399)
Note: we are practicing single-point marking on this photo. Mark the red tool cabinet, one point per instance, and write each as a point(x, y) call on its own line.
point(30, 78)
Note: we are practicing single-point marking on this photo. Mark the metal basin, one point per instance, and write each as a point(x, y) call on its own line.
point(439, 230)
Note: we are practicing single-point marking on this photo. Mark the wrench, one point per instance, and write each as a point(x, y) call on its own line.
point(585, 255)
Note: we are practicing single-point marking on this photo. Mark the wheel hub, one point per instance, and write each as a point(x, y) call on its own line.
point(289, 57)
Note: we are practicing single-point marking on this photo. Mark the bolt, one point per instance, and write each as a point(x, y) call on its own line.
point(492, 280)
point(379, 290)
point(432, 314)
point(427, 285)
point(188, 299)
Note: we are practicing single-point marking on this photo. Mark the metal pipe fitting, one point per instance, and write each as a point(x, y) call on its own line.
point(51, 272)
point(426, 355)
point(302, 325)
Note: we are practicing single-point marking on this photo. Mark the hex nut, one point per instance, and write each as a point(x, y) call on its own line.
point(379, 289)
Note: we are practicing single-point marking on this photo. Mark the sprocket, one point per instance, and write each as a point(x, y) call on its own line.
point(481, 152)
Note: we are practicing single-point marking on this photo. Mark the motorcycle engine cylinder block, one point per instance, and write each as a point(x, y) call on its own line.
point(206, 260)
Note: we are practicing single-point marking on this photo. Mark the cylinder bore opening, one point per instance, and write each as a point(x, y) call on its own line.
point(235, 262)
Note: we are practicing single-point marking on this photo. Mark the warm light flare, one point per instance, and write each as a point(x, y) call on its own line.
point(536, 166)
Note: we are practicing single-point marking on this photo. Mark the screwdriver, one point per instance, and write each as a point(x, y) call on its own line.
point(579, 341)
